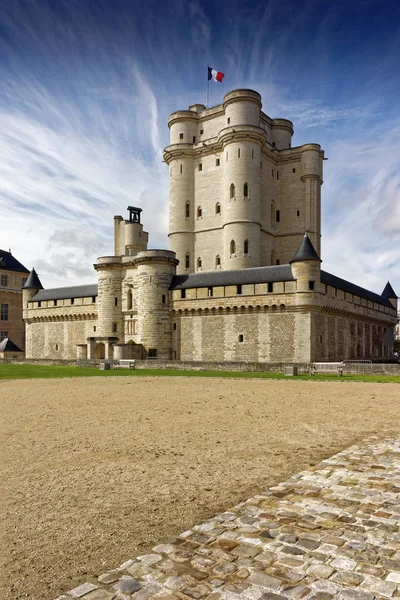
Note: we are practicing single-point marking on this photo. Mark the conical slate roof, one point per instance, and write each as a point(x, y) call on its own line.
point(306, 251)
point(33, 282)
point(8, 345)
point(389, 292)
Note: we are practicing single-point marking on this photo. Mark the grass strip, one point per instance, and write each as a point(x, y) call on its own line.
point(11, 371)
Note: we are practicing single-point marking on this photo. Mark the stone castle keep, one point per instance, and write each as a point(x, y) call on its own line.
point(242, 281)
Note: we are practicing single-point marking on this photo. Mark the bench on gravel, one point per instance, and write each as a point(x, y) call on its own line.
point(124, 363)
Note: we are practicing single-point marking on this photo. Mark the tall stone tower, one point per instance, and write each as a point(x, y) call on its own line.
point(240, 195)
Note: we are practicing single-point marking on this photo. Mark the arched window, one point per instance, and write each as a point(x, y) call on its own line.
point(187, 210)
point(129, 300)
point(199, 263)
point(233, 248)
point(246, 247)
point(218, 209)
point(232, 191)
point(217, 261)
point(246, 190)
point(187, 261)
point(199, 212)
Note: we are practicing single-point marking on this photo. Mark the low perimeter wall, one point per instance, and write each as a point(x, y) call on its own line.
point(373, 369)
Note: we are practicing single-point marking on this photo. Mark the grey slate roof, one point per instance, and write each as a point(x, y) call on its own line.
point(8, 345)
point(305, 251)
point(9, 263)
point(352, 288)
point(389, 292)
point(33, 282)
point(236, 277)
point(77, 291)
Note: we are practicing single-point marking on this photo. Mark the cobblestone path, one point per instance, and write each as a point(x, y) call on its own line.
point(332, 531)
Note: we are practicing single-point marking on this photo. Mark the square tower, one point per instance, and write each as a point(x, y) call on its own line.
point(239, 195)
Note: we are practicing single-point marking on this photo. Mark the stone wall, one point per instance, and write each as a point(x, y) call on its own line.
point(57, 339)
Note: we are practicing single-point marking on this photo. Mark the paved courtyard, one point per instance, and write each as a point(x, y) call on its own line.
point(332, 531)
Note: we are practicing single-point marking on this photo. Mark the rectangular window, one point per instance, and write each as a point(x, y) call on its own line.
point(200, 167)
point(187, 261)
point(164, 298)
point(174, 326)
point(93, 298)
point(277, 174)
point(39, 304)
point(238, 289)
point(94, 328)
point(270, 286)
point(3, 335)
point(238, 152)
point(252, 154)
point(228, 120)
point(298, 213)
point(115, 327)
point(4, 280)
point(115, 301)
point(201, 131)
point(217, 161)
point(194, 139)
point(278, 216)
point(181, 136)
point(54, 302)
point(181, 169)
point(311, 285)
point(152, 353)
point(187, 210)
point(293, 170)
point(210, 291)
point(183, 293)
point(240, 338)
point(4, 312)
point(72, 300)
point(278, 262)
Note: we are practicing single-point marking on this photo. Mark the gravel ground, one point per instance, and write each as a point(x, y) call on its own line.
point(98, 470)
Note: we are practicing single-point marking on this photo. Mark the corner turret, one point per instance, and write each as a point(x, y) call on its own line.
point(32, 285)
point(306, 267)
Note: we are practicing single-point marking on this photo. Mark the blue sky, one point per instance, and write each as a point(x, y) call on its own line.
point(86, 88)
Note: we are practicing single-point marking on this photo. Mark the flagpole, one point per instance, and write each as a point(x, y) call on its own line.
point(208, 66)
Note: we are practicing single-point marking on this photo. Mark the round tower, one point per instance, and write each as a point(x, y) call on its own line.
point(281, 133)
point(183, 127)
point(311, 164)
point(242, 107)
point(155, 269)
point(241, 180)
point(109, 300)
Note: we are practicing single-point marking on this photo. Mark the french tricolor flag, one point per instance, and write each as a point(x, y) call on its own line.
point(215, 75)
